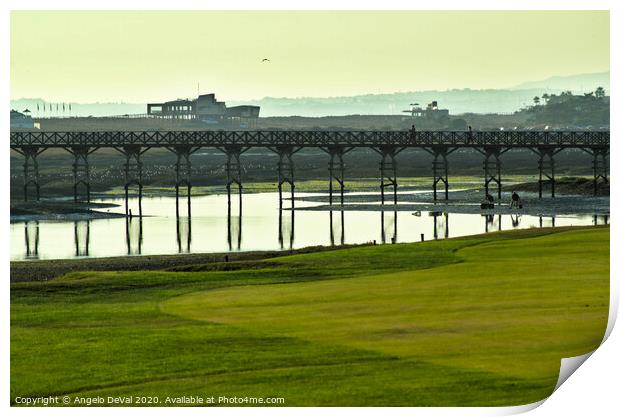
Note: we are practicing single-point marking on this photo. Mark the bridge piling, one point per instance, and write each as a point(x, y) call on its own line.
point(133, 173)
point(440, 168)
point(31, 169)
point(81, 169)
point(233, 176)
point(546, 168)
point(183, 174)
point(600, 169)
point(233, 172)
point(387, 169)
point(336, 171)
point(286, 171)
point(492, 169)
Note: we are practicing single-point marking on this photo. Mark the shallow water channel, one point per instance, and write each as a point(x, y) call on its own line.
point(260, 225)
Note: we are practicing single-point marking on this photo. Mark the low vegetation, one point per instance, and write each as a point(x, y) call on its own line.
point(475, 321)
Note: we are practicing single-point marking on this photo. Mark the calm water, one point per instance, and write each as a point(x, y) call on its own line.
point(262, 226)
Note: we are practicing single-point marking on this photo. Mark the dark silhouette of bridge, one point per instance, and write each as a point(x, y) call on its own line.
point(285, 143)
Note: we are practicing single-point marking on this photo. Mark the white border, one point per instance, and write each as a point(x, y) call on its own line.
point(593, 388)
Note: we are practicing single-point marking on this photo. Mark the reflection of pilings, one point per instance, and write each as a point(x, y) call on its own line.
point(183, 173)
point(332, 231)
point(546, 167)
point(133, 235)
point(599, 166)
point(336, 170)
point(286, 171)
point(436, 226)
point(31, 231)
point(234, 228)
point(387, 169)
point(490, 220)
point(492, 168)
point(31, 169)
point(540, 221)
point(395, 228)
point(81, 169)
point(515, 220)
point(440, 167)
point(282, 229)
point(184, 234)
point(133, 172)
point(81, 232)
point(595, 219)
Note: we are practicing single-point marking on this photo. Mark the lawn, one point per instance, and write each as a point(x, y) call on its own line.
point(482, 320)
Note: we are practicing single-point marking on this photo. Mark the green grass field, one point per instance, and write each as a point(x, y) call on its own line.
point(474, 321)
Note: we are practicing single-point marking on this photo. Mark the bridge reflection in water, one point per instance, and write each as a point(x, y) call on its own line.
point(31, 232)
point(440, 224)
point(81, 233)
point(359, 230)
point(133, 235)
point(184, 234)
point(336, 231)
point(389, 227)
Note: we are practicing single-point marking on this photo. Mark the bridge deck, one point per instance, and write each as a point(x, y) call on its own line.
point(304, 138)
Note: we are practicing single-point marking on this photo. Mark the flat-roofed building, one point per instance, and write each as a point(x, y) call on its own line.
point(205, 108)
point(245, 111)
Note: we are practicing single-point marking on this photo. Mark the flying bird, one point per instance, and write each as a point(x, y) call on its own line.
point(265, 60)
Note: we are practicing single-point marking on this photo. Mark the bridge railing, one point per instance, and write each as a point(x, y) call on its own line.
point(305, 138)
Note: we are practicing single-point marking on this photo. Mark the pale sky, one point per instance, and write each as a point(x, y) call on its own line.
point(145, 56)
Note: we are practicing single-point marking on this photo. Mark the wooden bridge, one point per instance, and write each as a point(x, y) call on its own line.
point(285, 143)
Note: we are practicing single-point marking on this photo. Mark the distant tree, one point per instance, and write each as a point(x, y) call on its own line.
point(599, 93)
point(458, 124)
point(537, 100)
point(590, 94)
point(545, 97)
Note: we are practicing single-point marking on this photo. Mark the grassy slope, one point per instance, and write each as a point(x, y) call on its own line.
point(474, 321)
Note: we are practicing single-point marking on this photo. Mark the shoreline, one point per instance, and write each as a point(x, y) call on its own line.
point(49, 269)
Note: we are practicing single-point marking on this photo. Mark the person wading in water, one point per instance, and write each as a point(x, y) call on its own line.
point(515, 201)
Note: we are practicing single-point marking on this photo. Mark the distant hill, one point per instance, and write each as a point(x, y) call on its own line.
point(458, 101)
point(579, 84)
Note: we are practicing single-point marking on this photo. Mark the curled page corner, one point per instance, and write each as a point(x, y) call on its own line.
point(569, 365)
point(520, 409)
